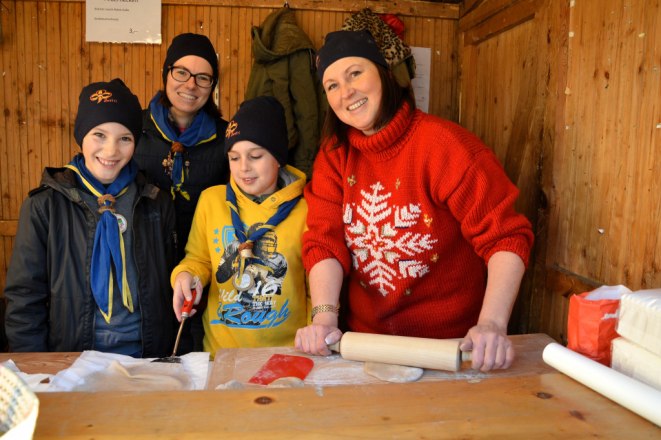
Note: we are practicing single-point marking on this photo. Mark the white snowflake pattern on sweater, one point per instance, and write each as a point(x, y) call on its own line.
point(382, 248)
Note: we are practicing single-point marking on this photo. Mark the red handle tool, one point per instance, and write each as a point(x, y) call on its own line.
point(188, 306)
point(185, 312)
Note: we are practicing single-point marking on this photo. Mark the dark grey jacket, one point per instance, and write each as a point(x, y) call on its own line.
point(49, 301)
point(208, 166)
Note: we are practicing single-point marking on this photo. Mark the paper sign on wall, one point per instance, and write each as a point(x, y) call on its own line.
point(123, 21)
point(420, 83)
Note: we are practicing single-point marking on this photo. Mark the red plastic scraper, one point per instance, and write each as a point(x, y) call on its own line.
point(282, 365)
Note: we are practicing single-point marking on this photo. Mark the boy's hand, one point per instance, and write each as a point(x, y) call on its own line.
point(184, 284)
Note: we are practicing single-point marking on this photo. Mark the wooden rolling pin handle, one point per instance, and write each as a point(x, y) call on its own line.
point(466, 356)
point(438, 354)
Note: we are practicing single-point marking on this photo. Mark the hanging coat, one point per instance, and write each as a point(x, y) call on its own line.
point(284, 67)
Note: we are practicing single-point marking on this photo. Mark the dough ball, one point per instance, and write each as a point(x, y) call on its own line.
point(231, 385)
point(287, 382)
point(393, 373)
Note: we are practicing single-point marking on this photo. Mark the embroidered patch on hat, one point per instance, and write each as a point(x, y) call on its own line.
point(102, 95)
point(232, 129)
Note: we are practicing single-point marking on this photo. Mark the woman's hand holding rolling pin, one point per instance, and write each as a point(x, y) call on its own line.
point(316, 337)
point(489, 345)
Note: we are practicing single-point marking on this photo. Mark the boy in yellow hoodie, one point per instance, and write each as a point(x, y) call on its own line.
point(246, 239)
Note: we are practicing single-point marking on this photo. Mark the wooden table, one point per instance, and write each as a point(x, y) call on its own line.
point(241, 363)
point(530, 400)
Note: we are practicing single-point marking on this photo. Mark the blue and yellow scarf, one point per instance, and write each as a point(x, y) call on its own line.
point(108, 241)
point(203, 129)
point(247, 242)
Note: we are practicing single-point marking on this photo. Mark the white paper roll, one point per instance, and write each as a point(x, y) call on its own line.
point(630, 393)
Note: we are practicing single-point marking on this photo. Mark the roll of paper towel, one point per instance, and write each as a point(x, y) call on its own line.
point(630, 393)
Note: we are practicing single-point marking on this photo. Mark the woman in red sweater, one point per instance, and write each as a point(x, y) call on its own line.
point(414, 211)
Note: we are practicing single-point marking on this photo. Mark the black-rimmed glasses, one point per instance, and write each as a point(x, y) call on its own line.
point(181, 74)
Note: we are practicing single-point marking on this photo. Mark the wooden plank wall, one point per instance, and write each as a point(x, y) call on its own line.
point(568, 95)
point(46, 61)
point(604, 217)
point(504, 89)
point(607, 181)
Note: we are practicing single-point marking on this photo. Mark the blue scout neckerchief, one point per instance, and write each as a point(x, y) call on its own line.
point(203, 129)
point(247, 242)
point(108, 240)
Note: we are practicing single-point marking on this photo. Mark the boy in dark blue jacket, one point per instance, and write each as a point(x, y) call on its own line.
point(95, 244)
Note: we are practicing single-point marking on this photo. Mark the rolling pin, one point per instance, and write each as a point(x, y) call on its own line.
point(436, 354)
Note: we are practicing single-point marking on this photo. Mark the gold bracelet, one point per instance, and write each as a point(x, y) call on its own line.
point(325, 308)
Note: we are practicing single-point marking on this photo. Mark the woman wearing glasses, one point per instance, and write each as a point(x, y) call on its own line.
point(181, 148)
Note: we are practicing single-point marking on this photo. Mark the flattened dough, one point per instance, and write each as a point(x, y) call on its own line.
point(147, 377)
point(393, 373)
point(283, 382)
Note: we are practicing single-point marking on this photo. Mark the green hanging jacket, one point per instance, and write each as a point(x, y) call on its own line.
point(285, 68)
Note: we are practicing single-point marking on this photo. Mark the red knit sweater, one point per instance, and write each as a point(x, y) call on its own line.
point(412, 213)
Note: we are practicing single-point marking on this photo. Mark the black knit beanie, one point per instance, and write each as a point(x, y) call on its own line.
point(342, 44)
point(190, 44)
point(262, 121)
point(102, 102)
